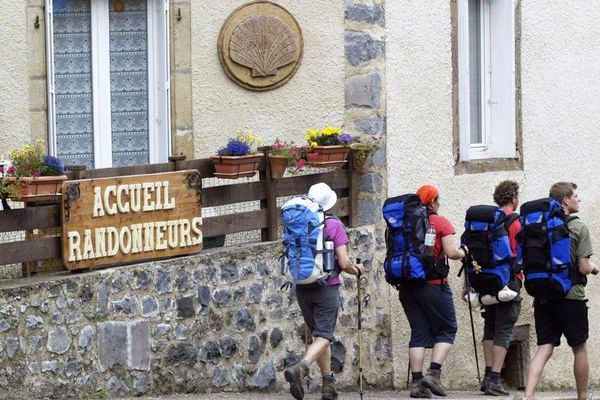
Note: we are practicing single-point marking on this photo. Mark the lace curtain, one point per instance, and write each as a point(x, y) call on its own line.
point(128, 82)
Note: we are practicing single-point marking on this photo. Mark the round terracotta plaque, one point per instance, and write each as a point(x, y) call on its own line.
point(260, 45)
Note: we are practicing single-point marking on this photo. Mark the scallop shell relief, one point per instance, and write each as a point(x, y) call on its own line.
point(263, 43)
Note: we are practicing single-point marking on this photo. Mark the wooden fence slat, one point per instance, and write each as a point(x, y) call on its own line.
point(125, 171)
point(30, 218)
point(337, 179)
point(30, 250)
point(230, 194)
point(232, 223)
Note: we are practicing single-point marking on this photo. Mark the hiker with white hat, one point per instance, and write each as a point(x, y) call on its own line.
point(320, 301)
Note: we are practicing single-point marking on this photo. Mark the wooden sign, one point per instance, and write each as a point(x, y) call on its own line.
point(130, 219)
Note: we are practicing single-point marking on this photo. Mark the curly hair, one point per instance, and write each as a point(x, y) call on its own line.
point(505, 191)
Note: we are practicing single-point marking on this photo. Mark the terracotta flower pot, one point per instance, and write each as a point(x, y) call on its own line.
point(330, 156)
point(233, 167)
point(38, 188)
point(278, 165)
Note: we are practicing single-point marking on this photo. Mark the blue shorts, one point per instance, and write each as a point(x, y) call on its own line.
point(430, 313)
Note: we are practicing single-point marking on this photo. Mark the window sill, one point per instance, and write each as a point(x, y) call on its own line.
point(488, 165)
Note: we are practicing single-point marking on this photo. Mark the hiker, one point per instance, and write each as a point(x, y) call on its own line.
point(500, 318)
point(565, 315)
point(319, 303)
point(429, 306)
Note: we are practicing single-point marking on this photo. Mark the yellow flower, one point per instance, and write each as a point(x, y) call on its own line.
point(313, 144)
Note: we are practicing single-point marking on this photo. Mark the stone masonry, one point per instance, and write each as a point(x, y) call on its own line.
point(216, 321)
point(364, 44)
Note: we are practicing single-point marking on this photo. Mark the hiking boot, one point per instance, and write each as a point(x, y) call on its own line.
point(328, 391)
point(419, 392)
point(296, 375)
point(496, 389)
point(484, 383)
point(433, 382)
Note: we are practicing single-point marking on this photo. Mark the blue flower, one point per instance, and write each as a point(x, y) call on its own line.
point(235, 147)
point(53, 166)
point(345, 138)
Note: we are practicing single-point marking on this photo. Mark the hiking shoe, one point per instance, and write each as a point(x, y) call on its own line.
point(496, 389)
point(484, 383)
point(417, 391)
point(328, 391)
point(433, 382)
point(296, 375)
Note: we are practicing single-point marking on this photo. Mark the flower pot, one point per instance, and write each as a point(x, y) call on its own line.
point(359, 159)
point(38, 188)
point(278, 165)
point(330, 156)
point(233, 167)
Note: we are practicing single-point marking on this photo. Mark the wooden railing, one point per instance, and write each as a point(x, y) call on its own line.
point(266, 190)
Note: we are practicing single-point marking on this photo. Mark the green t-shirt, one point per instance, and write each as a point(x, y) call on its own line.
point(581, 246)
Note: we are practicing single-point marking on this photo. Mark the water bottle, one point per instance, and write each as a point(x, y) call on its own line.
point(429, 240)
point(328, 255)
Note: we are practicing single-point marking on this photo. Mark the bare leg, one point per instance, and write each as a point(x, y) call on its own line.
point(313, 352)
point(324, 360)
point(536, 367)
point(499, 353)
point(440, 352)
point(581, 369)
point(416, 355)
point(488, 354)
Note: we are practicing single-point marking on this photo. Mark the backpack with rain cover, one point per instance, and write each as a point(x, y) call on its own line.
point(545, 249)
point(303, 242)
point(490, 263)
point(406, 260)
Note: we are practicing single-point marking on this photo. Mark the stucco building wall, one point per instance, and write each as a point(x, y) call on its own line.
point(14, 77)
point(313, 98)
point(560, 116)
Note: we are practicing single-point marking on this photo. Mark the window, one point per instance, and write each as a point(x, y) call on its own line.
point(486, 79)
point(108, 80)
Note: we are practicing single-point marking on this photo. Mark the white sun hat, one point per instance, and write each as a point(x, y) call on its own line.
point(323, 195)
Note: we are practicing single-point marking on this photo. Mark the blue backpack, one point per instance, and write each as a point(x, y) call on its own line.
point(303, 242)
point(406, 260)
point(489, 264)
point(545, 249)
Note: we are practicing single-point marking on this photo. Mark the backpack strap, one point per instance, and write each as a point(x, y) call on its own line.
point(509, 219)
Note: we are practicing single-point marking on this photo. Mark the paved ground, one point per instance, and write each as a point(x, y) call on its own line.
point(355, 396)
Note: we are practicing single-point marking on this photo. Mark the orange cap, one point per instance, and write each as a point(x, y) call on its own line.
point(428, 193)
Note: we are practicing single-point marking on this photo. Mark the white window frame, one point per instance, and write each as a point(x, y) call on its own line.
point(159, 99)
point(498, 104)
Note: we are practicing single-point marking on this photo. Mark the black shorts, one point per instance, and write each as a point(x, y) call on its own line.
point(561, 317)
point(319, 306)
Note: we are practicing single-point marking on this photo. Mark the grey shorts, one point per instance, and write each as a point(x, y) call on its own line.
point(499, 319)
point(319, 306)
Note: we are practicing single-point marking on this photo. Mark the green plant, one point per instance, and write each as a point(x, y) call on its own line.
point(328, 136)
point(363, 147)
point(30, 161)
point(298, 156)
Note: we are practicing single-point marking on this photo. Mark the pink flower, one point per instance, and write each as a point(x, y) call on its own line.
point(1, 169)
point(301, 163)
point(26, 167)
point(11, 169)
point(37, 173)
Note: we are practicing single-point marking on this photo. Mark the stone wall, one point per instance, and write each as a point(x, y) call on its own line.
point(217, 321)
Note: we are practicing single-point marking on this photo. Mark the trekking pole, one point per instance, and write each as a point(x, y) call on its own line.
point(471, 317)
point(360, 370)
